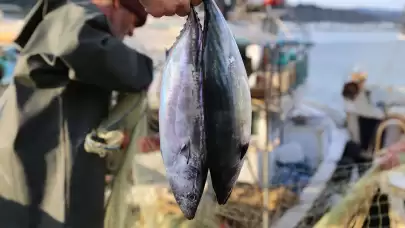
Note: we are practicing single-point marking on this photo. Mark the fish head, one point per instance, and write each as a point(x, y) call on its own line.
point(184, 156)
point(187, 175)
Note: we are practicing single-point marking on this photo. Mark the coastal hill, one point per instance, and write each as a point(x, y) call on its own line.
point(303, 13)
point(313, 13)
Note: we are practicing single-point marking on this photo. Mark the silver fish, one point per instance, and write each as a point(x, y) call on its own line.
point(181, 119)
point(227, 103)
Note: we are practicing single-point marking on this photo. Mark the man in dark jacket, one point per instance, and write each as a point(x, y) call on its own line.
point(71, 59)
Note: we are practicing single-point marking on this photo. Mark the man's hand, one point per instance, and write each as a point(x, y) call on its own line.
point(159, 8)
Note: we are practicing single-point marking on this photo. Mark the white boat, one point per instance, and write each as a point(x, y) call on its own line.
point(324, 140)
point(321, 139)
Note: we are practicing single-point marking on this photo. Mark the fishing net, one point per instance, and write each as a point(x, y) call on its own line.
point(117, 209)
point(377, 198)
point(245, 206)
point(372, 202)
point(153, 204)
point(315, 194)
point(243, 210)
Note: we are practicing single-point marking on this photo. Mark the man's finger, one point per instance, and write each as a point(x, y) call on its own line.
point(183, 9)
point(196, 2)
point(170, 13)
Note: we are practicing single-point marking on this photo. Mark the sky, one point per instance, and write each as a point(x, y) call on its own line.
point(384, 4)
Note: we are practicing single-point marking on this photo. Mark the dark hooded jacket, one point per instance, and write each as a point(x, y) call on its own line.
point(69, 65)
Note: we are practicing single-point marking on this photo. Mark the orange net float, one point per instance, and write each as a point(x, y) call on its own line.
point(273, 2)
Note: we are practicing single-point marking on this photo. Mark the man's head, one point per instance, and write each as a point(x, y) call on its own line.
point(124, 15)
point(359, 78)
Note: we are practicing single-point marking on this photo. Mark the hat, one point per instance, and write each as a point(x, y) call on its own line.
point(358, 76)
point(135, 7)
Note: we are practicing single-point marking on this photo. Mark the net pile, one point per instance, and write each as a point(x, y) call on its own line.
point(370, 203)
point(245, 206)
point(328, 193)
point(155, 206)
point(243, 210)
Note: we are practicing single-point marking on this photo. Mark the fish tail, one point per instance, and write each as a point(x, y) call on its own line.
point(207, 18)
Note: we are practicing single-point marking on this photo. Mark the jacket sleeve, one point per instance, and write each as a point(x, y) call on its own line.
point(103, 60)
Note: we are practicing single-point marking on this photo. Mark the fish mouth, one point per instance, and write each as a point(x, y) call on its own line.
point(187, 198)
point(223, 180)
point(188, 187)
point(188, 204)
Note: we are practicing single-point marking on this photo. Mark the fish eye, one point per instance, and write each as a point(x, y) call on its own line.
point(191, 196)
point(183, 147)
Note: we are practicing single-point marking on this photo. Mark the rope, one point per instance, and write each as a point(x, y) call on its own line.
point(383, 125)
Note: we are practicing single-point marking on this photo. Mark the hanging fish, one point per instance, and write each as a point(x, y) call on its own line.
point(181, 118)
point(227, 103)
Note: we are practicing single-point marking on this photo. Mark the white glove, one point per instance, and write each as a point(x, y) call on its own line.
point(104, 143)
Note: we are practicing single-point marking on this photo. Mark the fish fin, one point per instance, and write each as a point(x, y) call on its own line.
point(182, 31)
point(195, 17)
point(185, 148)
point(207, 18)
point(195, 14)
point(243, 150)
point(187, 24)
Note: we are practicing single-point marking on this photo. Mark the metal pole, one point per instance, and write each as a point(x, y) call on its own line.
point(280, 94)
point(270, 70)
point(265, 161)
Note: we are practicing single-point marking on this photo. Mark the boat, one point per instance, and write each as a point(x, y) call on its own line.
point(299, 128)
